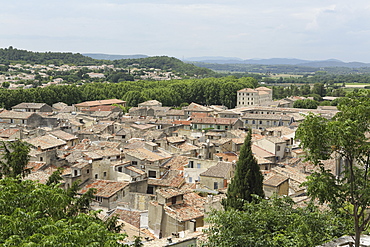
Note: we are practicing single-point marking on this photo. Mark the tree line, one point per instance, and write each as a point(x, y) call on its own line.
point(208, 91)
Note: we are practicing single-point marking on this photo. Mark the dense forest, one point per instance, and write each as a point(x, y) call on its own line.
point(220, 91)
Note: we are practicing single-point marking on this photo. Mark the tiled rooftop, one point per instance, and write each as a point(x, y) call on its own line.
point(172, 178)
point(275, 180)
point(220, 170)
point(63, 135)
point(104, 188)
point(212, 120)
point(46, 142)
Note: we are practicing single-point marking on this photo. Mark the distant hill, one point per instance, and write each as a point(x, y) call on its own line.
point(14, 55)
point(182, 69)
point(278, 61)
point(101, 56)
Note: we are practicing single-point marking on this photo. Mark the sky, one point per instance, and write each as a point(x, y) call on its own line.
point(303, 29)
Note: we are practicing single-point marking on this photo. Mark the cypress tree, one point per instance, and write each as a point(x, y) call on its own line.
point(248, 179)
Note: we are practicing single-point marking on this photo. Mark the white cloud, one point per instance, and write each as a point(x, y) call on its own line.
point(303, 29)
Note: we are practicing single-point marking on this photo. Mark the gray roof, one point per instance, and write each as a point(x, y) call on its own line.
point(220, 170)
point(28, 106)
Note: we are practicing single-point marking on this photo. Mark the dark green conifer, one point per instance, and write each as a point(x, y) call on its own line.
point(247, 181)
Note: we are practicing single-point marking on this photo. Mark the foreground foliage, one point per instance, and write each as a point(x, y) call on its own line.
point(345, 136)
point(274, 222)
point(33, 214)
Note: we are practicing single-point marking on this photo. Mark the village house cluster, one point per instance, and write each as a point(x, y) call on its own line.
point(22, 75)
point(159, 169)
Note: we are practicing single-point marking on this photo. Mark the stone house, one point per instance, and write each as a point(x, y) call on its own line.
point(175, 212)
point(274, 145)
point(44, 148)
point(257, 96)
point(176, 114)
point(218, 176)
point(195, 167)
point(276, 184)
point(89, 104)
point(262, 121)
point(26, 119)
point(216, 123)
point(196, 108)
point(81, 171)
point(169, 179)
point(10, 134)
point(70, 139)
point(108, 193)
point(149, 159)
point(32, 107)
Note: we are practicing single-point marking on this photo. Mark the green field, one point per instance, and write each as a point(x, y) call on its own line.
point(353, 84)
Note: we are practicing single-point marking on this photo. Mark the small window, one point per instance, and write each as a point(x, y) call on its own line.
point(191, 164)
point(215, 185)
point(134, 163)
point(41, 158)
point(105, 174)
point(152, 174)
point(198, 165)
point(96, 176)
point(150, 189)
point(277, 148)
point(88, 171)
point(190, 179)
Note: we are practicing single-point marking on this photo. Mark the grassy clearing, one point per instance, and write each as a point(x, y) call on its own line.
point(353, 84)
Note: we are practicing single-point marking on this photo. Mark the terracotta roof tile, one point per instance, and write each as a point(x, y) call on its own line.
point(46, 142)
point(172, 178)
point(275, 180)
point(104, 188)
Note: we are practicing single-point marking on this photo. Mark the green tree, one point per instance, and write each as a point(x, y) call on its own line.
point(274, 222)
point(344, 136)
point(247, 181)
point(33, 214)
point(305, 103)
point(319, 88)
point(15, 158)
point(5, 84)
